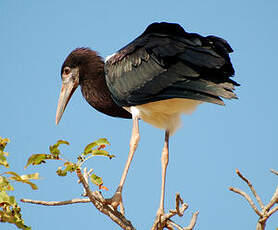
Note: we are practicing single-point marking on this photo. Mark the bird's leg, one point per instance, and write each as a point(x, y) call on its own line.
point(164, 163)
point(116, 200)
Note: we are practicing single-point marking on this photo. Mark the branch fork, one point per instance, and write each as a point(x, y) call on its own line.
point(100, 203)
point(264, 211)
point(165, 221)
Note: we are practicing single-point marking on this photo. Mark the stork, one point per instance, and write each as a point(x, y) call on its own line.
point(163, 73)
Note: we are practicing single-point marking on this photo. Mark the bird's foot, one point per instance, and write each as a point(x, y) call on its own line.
point(116, 201)
point(159, 220)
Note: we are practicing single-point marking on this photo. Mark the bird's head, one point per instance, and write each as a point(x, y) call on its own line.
point(75, 69)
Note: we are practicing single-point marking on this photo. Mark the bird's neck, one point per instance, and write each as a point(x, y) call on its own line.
point(94, 89)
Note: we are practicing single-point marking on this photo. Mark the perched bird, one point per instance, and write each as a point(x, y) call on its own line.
point(162, 74)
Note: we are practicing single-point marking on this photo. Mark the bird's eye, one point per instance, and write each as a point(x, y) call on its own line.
point(66, 70)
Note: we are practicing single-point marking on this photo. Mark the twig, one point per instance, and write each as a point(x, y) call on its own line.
point(165, 221)
point(178, 202)
point(176, 225)
point(251, 188)
point(275, 209)
point(274, 171)
point(248, 198)
point(273, 200)
point(265, 211)
point(192, 222)
point(56, 203)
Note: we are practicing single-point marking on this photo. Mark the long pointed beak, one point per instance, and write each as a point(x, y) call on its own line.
point(67, 90)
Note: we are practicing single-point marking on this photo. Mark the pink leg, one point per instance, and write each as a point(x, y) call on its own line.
point(116, 200)
point(164, 163)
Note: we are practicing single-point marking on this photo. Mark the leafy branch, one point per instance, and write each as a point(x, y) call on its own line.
point(10, 212)
point(97, 148)
point(93, 149)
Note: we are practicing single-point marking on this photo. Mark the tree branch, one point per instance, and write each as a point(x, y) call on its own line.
point(273, 200)
point(248, 198)
point(274, 171)
point(165, 221)
point(100, 203)
point(192, 222)
point(56, 203)
point(265, 211)
point(251, 188)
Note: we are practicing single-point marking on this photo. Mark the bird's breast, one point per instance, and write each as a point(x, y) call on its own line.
point(164, 114)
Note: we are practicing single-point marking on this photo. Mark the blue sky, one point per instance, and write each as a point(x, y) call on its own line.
point(36, 36)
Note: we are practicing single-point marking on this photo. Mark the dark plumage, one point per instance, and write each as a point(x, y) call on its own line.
point(92, 81)
point(167, 62)
point(161, 74)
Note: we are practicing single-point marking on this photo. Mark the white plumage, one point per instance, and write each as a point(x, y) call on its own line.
point(164, 114)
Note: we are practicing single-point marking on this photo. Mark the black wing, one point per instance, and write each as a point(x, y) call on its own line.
point(167, 62)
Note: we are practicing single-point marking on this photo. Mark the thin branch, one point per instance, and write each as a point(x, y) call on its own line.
point(56, 203)
point(165, 221)
point(266, 211)
point(251, 187)
point(260, 225)
point(275, 209)
point(248, 198)
point(192, 222)
point(175, 225)
point(274, 171)
point(274, 199)
point(178, 202)
point(94, 197)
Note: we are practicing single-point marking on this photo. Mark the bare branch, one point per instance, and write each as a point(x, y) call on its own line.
point(100, 203)
point(192, 222)
point(273, 200)
point(176, 225)
point(178, 202)
point(56, 203)
point(260, 225)
point(251, 187)
point(165, 221)
point(274, 171)
point(248, 198)
point(266, 211)
point(275, 209)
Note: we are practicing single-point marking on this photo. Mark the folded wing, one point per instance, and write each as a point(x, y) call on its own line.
point(167, 62)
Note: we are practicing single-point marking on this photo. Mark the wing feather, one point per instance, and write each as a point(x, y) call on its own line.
point(167, 62)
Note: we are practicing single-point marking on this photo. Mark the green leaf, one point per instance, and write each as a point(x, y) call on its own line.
point(4, 198)
point(33, 176)
point(37, 159)
point(97, 152)
point(102, 142)
point(89, 147)
point(61, 172)
point(5, 185)
point(69, 167)
point(3, 143)
point(54, 149)
point(96, 179)
point(24, 178)
point(10, 212)
point(13, 174)
point(3, 160)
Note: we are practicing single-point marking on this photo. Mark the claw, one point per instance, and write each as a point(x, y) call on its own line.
point(116, 201)
point(160, 212)
point(159, 222)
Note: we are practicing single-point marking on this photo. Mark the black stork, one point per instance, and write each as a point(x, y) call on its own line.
point(162, 74)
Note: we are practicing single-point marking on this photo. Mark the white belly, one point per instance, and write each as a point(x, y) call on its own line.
point(164, 114)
